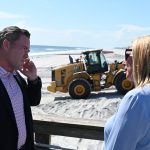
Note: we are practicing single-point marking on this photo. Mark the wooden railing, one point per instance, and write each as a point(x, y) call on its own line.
point(47, 125)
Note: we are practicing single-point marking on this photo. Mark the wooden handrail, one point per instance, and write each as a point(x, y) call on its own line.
point(47, 125)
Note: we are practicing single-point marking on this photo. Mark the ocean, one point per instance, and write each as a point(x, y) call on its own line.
point(49, 50)
point(44, 49)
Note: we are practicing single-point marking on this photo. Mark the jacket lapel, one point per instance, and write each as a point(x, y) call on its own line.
point(5, 101)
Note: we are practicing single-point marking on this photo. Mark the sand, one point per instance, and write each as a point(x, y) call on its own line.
point(100, 105)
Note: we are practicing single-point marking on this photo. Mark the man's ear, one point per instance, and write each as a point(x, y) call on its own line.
point(6, 44)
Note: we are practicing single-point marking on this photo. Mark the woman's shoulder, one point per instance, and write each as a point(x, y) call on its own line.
point(143, 90)
point(138, 93)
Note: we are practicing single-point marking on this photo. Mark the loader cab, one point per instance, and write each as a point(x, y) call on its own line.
point(95, 61)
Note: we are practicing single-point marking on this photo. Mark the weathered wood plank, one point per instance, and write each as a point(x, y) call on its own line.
point(49, 147)
point(72, 127)
point(59, 119)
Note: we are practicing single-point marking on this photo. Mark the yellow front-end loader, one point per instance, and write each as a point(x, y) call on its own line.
point(90, 72)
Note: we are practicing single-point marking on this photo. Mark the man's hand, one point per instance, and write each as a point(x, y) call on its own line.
point(29, 69)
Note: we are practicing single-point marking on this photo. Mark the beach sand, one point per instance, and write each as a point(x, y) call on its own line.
point(100, 105)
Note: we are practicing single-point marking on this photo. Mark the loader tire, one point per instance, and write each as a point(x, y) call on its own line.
point(122, 84)
point(79, 89)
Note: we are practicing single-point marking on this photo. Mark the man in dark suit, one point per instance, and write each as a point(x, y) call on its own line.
point(16, 93)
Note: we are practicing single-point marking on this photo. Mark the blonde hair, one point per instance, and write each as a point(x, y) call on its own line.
point(141, 60)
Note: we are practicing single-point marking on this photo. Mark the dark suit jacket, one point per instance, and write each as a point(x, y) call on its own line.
point(8, 128)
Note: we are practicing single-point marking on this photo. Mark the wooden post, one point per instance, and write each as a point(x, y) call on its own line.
point(42, 138)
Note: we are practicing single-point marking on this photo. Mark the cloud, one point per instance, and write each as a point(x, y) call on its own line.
point(134, 28)
point(130, 30)
point(22, 24)
point(6, 15)
point(123, 36)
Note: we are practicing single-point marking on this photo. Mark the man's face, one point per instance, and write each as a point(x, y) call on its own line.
point(18, 52)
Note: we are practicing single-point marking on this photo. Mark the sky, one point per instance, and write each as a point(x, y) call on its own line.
point(79, 23)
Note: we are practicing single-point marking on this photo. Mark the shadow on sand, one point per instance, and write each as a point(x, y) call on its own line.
point(95, 95)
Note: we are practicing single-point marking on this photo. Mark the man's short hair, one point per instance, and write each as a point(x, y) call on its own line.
point(12, 33)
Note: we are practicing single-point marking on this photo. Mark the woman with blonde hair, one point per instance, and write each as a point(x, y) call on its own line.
point(129, 128)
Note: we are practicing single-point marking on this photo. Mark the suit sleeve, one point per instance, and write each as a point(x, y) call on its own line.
point(34, 91)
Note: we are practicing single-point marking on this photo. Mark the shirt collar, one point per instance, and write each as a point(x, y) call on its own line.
point(4, 73)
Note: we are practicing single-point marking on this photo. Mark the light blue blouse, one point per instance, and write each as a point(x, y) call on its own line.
point(129, 128)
